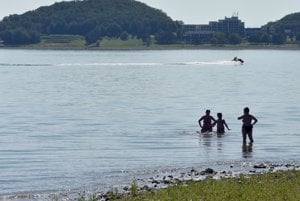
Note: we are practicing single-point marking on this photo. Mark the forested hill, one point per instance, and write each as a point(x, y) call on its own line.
point(291, 22)
point(92, 19)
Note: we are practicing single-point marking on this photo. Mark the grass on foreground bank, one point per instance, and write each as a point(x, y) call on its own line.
point(280, 186)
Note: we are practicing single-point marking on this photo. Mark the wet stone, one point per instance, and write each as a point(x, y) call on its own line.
point(126, 188)
point(170, 176)
point(260, 166)
point(207, 171)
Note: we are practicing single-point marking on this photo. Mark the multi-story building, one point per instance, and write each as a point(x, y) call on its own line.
point(231, 25)
point(200, 32)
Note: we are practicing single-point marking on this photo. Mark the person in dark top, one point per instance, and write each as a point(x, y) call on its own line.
point(208, 122)
point(248, 122)
point(221, 124)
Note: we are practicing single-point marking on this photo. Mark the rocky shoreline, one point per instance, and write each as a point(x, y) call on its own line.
point(157, 182)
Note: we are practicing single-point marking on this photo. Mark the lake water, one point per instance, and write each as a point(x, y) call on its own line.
point(85, 119)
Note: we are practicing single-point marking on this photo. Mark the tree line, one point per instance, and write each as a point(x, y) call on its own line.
point(93, 19)
point(279, 31)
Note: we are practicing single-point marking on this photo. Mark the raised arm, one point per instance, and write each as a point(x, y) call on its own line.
point(241, 117)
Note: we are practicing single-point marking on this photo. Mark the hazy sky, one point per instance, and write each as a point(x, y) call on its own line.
point(253, 12)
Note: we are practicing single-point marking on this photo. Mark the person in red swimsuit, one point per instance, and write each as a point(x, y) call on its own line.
point(208, 122)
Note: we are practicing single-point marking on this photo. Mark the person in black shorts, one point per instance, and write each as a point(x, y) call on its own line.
point(248, 122)
point(207, 122)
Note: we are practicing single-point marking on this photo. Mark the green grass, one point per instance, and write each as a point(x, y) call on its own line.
point(118, 43)
point(280, 186)
point(60, 42)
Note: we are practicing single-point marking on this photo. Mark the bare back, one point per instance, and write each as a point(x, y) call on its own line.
point(247, 119)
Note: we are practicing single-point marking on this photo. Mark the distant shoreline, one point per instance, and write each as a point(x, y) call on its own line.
point(161, 47)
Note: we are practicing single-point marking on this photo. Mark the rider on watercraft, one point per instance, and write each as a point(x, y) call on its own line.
point(238, 59)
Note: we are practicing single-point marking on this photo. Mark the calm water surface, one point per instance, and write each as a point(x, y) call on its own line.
point(80, 119)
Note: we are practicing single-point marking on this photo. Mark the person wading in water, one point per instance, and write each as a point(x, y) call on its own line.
point(208, 122)
point(248, 122)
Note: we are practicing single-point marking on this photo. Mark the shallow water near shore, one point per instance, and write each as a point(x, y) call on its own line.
point(94, 119)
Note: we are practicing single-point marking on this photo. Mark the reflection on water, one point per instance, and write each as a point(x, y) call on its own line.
point(220, 141)
point(247, 150)
point(214, 143)
point(208, 140)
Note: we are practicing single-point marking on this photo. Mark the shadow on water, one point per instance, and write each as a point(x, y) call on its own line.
point(247, 150)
